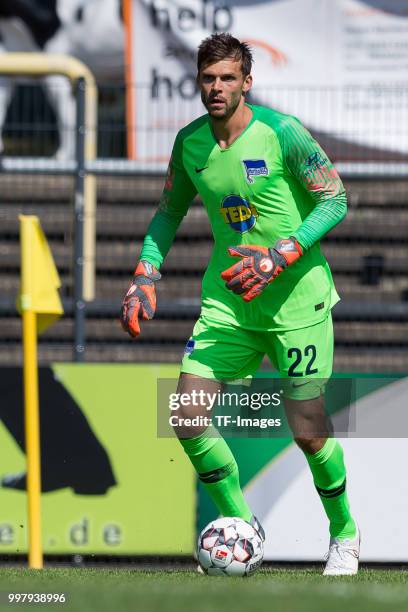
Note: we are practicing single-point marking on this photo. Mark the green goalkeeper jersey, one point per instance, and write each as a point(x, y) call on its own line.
point(273, 181)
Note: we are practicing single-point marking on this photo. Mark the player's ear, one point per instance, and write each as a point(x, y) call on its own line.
point(247, 84)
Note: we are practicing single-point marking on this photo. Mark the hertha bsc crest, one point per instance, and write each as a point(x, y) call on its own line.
point(254, 168)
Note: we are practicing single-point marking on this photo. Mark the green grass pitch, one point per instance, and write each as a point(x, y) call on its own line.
point(272, 590)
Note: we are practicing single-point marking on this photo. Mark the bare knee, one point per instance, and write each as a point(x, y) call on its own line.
point(310, 445)
point(193, 414)
point(188, 424)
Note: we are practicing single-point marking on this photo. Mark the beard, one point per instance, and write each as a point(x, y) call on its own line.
point(225, 111)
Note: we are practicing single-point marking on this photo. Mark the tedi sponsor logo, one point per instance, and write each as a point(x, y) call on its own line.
point(239, 214)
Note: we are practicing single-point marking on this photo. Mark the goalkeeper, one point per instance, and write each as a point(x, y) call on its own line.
point(271, 194)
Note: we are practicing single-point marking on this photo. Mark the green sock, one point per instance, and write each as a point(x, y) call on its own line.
point(218, 471)
point(329, 476)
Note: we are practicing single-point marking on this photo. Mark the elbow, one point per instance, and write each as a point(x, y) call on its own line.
point(172, 216)
point(343, 209)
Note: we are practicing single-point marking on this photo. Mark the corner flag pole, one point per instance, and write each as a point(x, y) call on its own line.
point(31, 404)
point(32, 437)
point(40, 305)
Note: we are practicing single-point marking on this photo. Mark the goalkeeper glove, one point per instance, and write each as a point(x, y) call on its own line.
point(259, 266)
point(140, 298)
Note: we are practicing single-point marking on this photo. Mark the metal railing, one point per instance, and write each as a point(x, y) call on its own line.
point(45, 64)
point(79, 308)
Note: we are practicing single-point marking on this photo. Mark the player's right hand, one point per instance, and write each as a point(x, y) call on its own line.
point(140, 299)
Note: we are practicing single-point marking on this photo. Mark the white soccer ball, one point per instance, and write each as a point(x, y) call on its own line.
point(229, 546)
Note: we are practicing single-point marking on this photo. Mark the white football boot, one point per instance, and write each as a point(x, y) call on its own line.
point(343, 555)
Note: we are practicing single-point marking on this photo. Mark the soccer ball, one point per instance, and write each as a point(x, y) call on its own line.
point(229, 546)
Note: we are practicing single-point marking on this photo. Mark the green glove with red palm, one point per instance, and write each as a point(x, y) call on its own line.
point(259, 266)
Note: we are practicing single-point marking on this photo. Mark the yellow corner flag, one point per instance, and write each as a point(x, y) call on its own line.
point(39, 277)
point(40, 306)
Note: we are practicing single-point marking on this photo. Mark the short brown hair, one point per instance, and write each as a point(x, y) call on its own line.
point(222, 46)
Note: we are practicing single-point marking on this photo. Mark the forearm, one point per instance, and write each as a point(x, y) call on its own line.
point(310, 166)
point(159, 237)
point(325, 215)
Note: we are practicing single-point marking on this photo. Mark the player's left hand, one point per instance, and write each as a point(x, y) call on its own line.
point(259, 266)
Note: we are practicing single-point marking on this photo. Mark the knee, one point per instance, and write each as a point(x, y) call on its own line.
point(187, 425)
point(310, 445)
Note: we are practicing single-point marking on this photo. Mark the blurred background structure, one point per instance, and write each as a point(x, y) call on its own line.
point(368, 251)
point(339, 66)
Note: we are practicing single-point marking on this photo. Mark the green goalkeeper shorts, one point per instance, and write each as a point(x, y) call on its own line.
point(303, 357)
